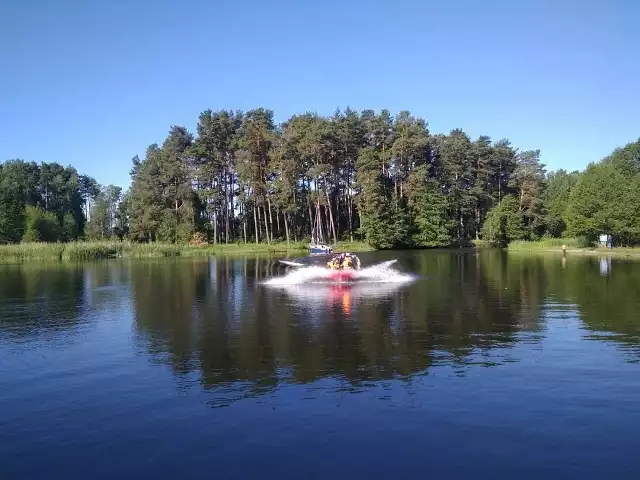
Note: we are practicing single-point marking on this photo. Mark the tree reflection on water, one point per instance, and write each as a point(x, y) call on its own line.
point(216, 317)
point(214, 322)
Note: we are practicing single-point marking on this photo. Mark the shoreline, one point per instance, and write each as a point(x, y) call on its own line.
point(615, 252)
point(574, 246)
point(107, 249)
point(113, 249)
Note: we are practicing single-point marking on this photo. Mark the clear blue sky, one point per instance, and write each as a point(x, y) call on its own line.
point(91, 83)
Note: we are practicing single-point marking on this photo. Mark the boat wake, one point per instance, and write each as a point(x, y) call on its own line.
point(320, 293)
point(303, 275)
point(316, 285)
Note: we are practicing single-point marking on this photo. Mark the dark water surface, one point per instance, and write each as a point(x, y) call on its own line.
point(490, 365)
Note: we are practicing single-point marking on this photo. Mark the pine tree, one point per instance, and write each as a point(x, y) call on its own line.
point(374, 200)
point(146, 196)
point(432, 225)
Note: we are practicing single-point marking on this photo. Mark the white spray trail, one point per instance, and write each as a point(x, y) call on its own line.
point(381, 272)
point(300, 275)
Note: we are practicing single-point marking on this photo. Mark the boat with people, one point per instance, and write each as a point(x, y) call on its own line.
point(343, 266)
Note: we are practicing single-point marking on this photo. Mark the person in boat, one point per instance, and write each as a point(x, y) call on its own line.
point(336, 262)
point(344, 260)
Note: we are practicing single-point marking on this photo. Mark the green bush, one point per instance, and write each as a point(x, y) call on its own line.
point(584, 241)
point(504, 223)
point(544, 244)
point(40, 226)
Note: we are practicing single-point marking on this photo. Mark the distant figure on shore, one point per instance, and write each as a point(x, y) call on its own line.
point(606, 241)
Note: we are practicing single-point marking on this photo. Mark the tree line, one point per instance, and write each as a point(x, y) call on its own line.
point(46, 202)
point(354, 175)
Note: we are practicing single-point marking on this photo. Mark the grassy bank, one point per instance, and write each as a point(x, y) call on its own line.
point(78, 251)
point(545, 244)
point(574, 246)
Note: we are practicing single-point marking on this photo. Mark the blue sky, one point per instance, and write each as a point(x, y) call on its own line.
point(92, 83)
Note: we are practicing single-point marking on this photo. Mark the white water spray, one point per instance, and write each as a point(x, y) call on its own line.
point(381, 272)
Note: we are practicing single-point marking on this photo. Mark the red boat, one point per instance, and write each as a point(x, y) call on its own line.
point(343, 267)
point(343, 275)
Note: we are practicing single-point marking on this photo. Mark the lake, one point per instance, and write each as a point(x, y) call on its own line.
point(468, 364)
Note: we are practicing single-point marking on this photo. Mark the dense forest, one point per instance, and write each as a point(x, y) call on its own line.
point(354, 175)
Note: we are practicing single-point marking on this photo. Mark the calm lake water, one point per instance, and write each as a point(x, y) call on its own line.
point(485, 365)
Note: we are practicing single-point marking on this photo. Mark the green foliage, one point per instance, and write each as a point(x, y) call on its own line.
point(41, 226)
point(122, 217)
point(11, 217)
point(504, 223)
point(374, 202)
point(48, 188)
point(527, 180)
point(626, 159)
point(146, 196)
point(546, 243)
point(432, 226)
point(401, 230)
point(605, 200)
point(98, 226)
point(78, 251)
point(243, 178)
point(556, 199)
point(69, 228)
point(584, 242)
